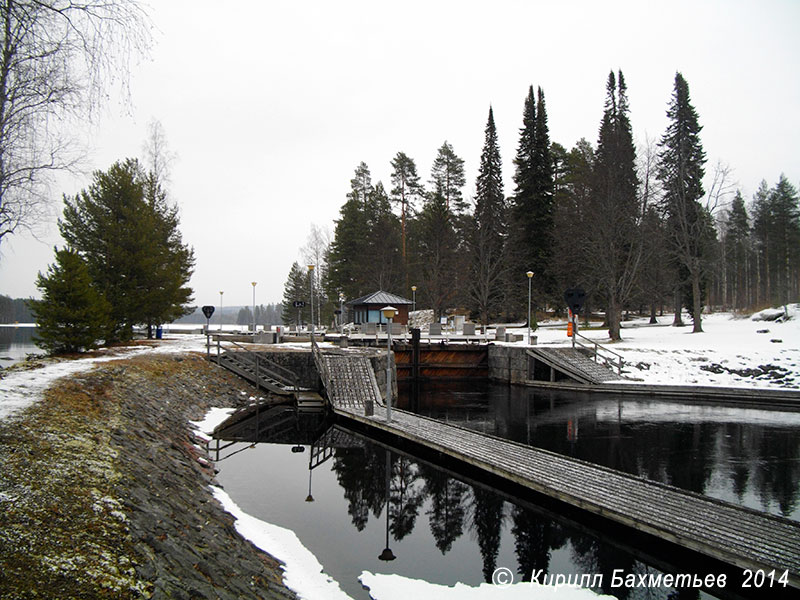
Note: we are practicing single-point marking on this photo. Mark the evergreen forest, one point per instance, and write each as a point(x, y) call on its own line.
point(642, 228)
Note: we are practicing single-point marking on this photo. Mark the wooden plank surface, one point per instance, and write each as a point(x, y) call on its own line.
point(734, 534)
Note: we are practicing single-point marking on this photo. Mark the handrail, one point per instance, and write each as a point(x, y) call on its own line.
point(615, 362)
point(283, 375)
point(320, 364)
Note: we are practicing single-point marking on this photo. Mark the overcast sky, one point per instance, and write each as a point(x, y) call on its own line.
point(270, 106)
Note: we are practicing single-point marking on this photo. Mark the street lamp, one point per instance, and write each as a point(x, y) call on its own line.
point(530, 278)
point(389, 312)
point(220, 310)
point(414, 297)
point(311, 286)
point(341, 312)
point(253, 283)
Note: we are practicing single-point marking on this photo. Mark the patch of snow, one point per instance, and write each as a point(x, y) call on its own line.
point(302, 572)
point(213, 418)
point(397, 587)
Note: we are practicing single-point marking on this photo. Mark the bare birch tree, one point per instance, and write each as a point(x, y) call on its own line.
point(57, 59)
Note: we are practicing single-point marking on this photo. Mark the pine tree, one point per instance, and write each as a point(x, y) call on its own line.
point(129, 237)
point(72, 314)
point(447, 178)
point(405, 191)
point(681, 172)
point(487, 232)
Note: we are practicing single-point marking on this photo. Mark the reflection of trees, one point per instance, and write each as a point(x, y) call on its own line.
point(361, 473)
point(487, 523)
point(737, 456)
point(778, 480)
point(534, 537)
point(596, 557)
point(447, 510)
point(690, 456)
point(405, 497)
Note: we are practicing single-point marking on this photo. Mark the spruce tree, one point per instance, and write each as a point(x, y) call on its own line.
point(296, 289)
point(487, 231)
point(681, 172)
point(737, 243)
point(531, 224)
point(613, 238)
point(73, 314)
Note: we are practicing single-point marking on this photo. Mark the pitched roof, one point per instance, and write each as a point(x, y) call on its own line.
point(381, 297)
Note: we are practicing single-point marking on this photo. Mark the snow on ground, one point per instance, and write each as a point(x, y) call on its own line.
point(731, 351)
point(658, 354)
point(397, 587)
point(302, 571)
point(21, 388)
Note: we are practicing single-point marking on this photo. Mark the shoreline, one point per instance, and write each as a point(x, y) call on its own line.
point(106, 489)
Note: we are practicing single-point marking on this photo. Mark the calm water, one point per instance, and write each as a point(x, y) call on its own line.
point(445, 530)
point(16, 343)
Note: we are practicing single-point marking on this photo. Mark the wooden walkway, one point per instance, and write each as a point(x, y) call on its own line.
point(736, 535)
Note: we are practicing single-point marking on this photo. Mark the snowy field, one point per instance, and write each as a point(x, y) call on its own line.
point(731, 352)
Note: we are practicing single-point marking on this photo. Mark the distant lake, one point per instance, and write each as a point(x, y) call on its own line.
point(16, 342)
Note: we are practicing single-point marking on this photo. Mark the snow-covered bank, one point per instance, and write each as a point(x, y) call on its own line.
point(19, 388)
point(731, 351)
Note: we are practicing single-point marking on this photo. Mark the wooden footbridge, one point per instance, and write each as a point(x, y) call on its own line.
point(737, 536)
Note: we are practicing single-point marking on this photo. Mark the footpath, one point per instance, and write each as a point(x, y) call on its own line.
point(104, 490)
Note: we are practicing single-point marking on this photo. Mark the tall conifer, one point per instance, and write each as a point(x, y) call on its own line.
point(681, 171)
point(487, 234)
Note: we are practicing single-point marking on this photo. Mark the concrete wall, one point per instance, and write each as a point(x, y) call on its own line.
point(508, 364)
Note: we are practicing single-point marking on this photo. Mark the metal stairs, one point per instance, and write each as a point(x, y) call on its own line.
point(260, 371)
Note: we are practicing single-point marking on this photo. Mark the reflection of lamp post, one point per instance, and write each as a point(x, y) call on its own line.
point(309, 498)
point(389, 312)
point(254, 308)
point(220, 310)
point(311, 286)
point(387, 553)
point(530, 278)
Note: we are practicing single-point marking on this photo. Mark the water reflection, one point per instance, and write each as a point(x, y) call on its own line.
point(746, 456)
point(412, 517)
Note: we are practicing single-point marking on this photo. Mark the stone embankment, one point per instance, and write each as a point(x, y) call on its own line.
point(104, 490)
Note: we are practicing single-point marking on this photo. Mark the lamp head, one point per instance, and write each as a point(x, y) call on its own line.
point(529, 274)
point(389, 312)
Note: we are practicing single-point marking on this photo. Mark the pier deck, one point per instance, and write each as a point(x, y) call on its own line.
point(735, 535)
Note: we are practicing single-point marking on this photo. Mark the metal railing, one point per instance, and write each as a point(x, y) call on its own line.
point(320, 364)
point(601, 354)
point(267, 367)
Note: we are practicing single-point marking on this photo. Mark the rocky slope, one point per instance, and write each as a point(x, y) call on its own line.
point(104, 490)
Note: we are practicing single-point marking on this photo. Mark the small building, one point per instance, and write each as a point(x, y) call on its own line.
point(367, 309)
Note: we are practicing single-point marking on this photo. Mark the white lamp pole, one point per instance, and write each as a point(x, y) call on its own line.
point(220, 310)
point(389, 312)
point(530, 277)
point(253, 283)
point(311, 286)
